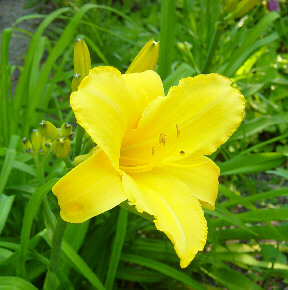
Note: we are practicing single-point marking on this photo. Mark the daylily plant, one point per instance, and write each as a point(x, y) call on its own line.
point(152, 150)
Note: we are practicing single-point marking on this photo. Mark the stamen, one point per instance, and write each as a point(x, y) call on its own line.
point(182, 152)
point(153, 151)
point(162, 139)
point(178, 131)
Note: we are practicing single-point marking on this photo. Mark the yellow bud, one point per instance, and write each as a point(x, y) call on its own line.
point(66, 129)
point(36, 139)
point(26, 144)
point(81, 158)
point(243, 8)
point(48, 130)
point(75, 82)
point(61, 147)
point(146, 59)
point(82, 61)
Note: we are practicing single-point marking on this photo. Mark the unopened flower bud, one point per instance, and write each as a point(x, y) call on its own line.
point(36, 140)
point(48, 130)
point(28, 150)
point(66, 129)
point(81, 158)
point(82, 61)
point(26, 144)
point(71, 136)
point(146, 59)
point(61, 147)
point(75, 82)
point(46, 145)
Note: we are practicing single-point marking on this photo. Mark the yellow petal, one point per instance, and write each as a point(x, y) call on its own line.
point(148, 82)
point(89, 189)
point(177, 213)
point(106, 104)
point(198, 115)
point(200, 174)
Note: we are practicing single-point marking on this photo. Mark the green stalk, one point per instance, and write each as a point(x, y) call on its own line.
point(50, 218)
point(78, 140)
point(51, 277)
point(68, 163)
point(168, 16)
point(117, 248)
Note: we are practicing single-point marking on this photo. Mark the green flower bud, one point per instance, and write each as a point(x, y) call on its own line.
point(36, 139)
point(75, 82)
point(26, 144)
point(82, 61)
point(48, 130)
point(61, 147)
point(66, 129)
point(71, 136)
point(81, 158)
point(46, 145)
point(146, 59)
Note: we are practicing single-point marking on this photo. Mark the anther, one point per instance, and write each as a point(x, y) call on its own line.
point(178, 131)
point(162, 139)
point(182, 152)
point(153, 151)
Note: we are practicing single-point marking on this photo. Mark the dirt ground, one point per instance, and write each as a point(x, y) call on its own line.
point(10, 11)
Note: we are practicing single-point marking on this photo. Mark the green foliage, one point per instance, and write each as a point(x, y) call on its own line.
point(247, 241)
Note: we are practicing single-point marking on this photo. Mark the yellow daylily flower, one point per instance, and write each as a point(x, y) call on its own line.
point(152, 150)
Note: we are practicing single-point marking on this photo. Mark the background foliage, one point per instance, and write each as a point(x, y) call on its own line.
point(248, 232)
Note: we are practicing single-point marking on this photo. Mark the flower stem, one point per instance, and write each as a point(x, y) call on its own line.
point(50, 218)
point(68, 163)
point(51, 277)
point(78, 141)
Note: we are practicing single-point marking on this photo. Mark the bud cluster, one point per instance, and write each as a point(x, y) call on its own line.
point(49, 137)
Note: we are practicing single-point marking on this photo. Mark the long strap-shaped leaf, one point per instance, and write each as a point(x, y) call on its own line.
point(30, 211)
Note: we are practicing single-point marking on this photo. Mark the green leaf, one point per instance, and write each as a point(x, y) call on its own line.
point(162, 268)
point(5, 206)
point(30, 212)
point(8, 162)
point(230, 278)
point(252, 163)
point(78, 263)
point(168, 18)
point(117, 248)
point(10, 282)
point(183, 71)
point(250, 43)
point(257, 125)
